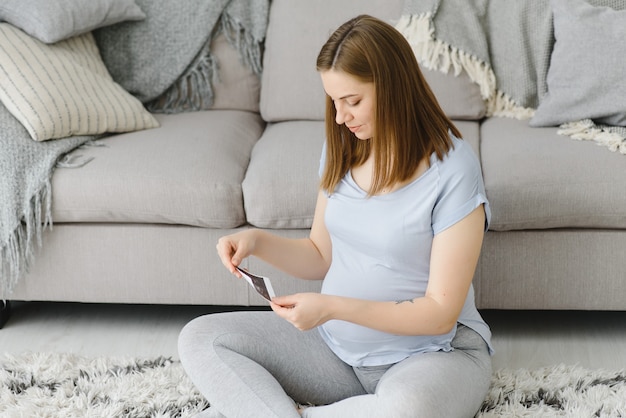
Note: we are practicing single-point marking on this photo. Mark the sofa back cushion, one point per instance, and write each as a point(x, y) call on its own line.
point(291, 88)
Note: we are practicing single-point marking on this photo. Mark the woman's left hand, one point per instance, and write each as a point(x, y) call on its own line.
point(303, 310)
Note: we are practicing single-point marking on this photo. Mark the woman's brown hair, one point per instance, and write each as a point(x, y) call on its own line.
point(409, 123)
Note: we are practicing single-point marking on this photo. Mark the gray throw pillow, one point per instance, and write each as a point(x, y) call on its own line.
point(52, 21)
point(586, 75)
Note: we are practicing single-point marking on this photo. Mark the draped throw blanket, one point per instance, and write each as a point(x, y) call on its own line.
point(170, 50)
point(165, 61)
point(25, 193)
point(504, 47)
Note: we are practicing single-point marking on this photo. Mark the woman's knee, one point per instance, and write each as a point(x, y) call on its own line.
point(195, 336)
point(436, 384)
point(231, 329)
point(206, 328)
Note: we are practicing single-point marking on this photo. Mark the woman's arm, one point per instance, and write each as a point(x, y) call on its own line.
point(306, 258)
point(454, 256)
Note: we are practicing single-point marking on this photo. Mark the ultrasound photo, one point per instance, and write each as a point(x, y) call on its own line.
point(261, 284)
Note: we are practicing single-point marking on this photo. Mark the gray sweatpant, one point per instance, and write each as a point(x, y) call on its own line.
point(255, 364)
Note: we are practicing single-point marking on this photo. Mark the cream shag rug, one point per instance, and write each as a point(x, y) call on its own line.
point(67, 385)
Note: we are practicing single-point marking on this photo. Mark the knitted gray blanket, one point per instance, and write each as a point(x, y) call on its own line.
point(170, 51)
point(503, 46)
point(25, 193)
point(165, 61)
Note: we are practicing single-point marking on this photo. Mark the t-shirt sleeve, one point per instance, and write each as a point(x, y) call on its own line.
point(461, 188)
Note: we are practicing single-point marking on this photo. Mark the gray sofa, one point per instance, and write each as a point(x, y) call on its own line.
point(139, 223)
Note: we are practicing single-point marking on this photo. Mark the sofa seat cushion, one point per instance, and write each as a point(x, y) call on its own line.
point(188, 171)
point(536, 179)
point(280, 188)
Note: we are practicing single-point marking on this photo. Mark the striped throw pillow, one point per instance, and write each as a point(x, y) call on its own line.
point(64, 89)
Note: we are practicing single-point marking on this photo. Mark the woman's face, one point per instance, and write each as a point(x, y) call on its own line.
point(354, 102)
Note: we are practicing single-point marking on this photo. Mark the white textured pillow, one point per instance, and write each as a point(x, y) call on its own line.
point(64, 89)
point(53, 21)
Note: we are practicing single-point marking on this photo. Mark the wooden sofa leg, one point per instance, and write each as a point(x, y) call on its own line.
point(5, 312)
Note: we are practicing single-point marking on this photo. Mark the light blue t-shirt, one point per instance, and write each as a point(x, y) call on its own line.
point(381, 251)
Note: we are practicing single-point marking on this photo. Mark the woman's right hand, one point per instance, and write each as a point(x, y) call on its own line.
point(232, 249)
